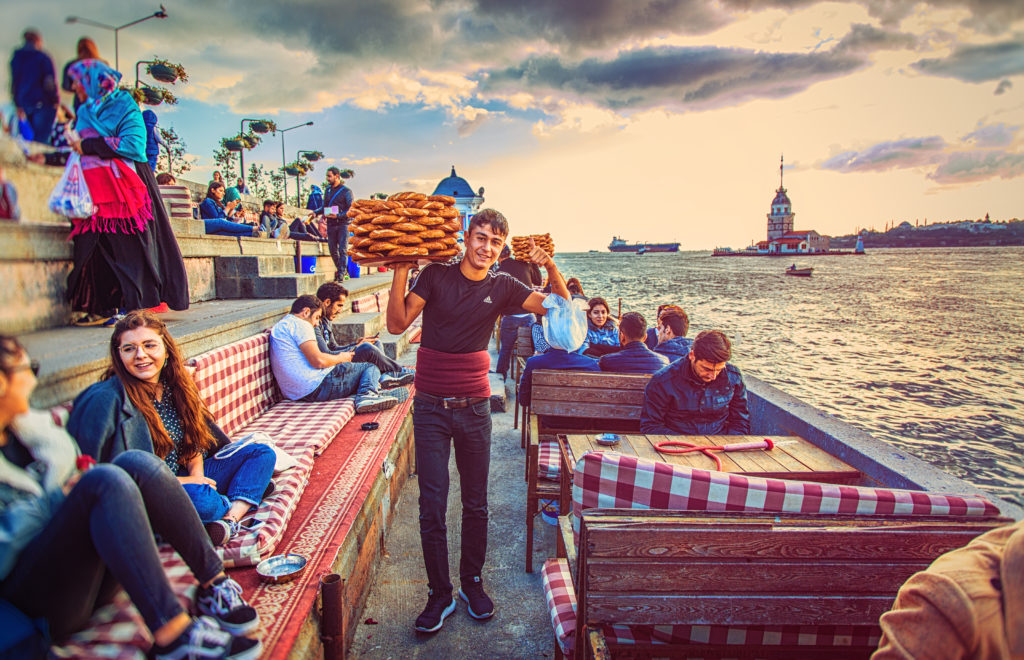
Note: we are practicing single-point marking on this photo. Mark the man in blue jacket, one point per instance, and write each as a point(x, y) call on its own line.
point(34, 86)
point(701, 395)
point(635, 357)
point(673, 324)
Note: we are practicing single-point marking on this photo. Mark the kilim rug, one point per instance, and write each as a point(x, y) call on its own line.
point(338, 485)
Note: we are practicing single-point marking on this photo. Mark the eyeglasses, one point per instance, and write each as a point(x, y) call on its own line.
point(32, 366)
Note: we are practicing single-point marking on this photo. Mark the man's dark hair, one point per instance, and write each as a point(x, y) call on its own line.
point(712, 346)
point(331, 291)
point(494, 219)
point(677, 321)
point(165, 179)
point(32, 36)
point(633, 326)
point(308, 301)
point(269, 202)
point(334, 170)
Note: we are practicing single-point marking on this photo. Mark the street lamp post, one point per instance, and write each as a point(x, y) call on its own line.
point(241, 154)
point(298, 181)
point(116, 28)
point(284, 162)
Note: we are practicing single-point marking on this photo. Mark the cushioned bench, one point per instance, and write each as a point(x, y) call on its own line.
point(831, 536)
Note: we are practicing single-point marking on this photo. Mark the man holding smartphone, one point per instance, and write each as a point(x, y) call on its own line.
point(337, 201)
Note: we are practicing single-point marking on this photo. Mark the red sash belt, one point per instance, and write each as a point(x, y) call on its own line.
point(453, 374)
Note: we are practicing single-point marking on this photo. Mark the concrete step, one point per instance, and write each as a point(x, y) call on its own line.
point(286, 286)
point(352, 327)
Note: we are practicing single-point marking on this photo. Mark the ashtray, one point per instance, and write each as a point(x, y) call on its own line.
point(608, 439)
point(281, 568)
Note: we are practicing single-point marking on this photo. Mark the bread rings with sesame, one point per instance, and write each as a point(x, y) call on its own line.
point(434, 245)
point(447, 212)
point(358, 230)
point(382, 246)
point(417, 251)
point(431, 234)
point(387, 219)
point(411, 212)
point(450, 252)
point(448, 241)
point(408, 226)
point(407, 239)
point(381, 234)
point(430, 221)
point(445, 199)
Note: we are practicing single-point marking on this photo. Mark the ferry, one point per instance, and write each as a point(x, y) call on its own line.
point(620, 245)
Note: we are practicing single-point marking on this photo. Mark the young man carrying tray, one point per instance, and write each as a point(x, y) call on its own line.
point(460, 304)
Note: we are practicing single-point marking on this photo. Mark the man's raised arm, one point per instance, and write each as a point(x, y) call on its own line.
point(403, 308)
point(535, 302)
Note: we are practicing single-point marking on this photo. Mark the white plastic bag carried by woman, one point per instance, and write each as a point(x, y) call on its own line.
point(565, 324)
point(71, 197)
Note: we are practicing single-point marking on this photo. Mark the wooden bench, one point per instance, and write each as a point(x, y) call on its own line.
point(667, 560)
point(821, 580)
point(571, 402)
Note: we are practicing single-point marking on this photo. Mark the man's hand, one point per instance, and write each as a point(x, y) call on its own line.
point(399, 266)
point(537, 255)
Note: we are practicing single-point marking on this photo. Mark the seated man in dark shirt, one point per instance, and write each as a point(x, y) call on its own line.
point(635, 357)
point(701, 395)
point(673, 324)
point(652, 333)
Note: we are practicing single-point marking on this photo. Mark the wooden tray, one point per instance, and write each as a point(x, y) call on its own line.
point(387, 261)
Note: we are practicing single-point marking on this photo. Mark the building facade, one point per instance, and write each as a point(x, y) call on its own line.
point(466, 201)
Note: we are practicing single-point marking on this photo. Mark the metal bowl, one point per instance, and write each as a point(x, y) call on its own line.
point(281, 568)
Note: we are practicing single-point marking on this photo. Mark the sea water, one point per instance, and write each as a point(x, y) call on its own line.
point(921, 348)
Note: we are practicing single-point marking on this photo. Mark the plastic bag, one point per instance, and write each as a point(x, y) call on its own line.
point(565, 324)
point(71, 196)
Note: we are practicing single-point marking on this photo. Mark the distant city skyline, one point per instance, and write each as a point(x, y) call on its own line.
point(653, 121)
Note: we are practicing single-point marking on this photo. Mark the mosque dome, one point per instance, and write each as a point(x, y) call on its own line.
point(781, 198)
point(454, 186)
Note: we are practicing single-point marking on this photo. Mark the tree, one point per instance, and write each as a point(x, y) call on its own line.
point(277, 184)
point(257, 182)
point(178, 162)
point(226, 161)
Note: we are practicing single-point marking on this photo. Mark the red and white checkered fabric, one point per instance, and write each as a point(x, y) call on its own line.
point(611, 480)
point(117, 630)
point(236, 381)
point(548, 459)
point(367, 303)
point(561, 599)
point(382, 300)
point(178, 199)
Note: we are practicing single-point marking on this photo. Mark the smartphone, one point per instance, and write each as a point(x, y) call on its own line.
point(251, 523)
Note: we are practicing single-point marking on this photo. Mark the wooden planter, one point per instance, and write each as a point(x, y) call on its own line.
point(163, 73)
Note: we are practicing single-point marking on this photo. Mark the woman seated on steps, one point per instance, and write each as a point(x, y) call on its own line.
point(68, 537)
point(148, 401)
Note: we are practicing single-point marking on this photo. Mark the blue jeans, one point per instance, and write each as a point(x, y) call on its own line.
point(347, 379)
point(367, 352)
point(508, 333)
point(436, 429)
point(337, 243)
point(222, 227)
point(104, 529)
point(243, 476)
point(41, 119)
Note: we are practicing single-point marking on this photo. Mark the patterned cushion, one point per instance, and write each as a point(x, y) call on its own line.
point(367, 303)
point(548, 459)
point(236, 381)
point(561, 598)
point(611, 480)
point(178, 200)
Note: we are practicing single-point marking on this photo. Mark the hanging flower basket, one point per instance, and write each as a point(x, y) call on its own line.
point(312, 156)
point(233, 145)
point(163, 72)
point(259, 127)
point(151, 96)
point(292, 171)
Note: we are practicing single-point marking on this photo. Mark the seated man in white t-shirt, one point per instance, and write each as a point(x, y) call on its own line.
point(304, 373)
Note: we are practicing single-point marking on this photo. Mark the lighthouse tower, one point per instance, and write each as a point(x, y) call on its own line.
point(780, 220)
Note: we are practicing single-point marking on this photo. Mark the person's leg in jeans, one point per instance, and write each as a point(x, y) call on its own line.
point(432, 427)
point(243, 476)
point(41, 119)
point(367, 352)
point(471, 433)
point(222, 227)
point(346, 379)
point(509, 332)
point(102, 525)
point(337, 241)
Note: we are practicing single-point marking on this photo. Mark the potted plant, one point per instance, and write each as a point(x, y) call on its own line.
point(312, 156)
point(297, 168)
point(167, 72)
point(168, 97)
point(346, 174)
point(263, 126)
point(232, 144)
point(152, 95)
point(136, 93)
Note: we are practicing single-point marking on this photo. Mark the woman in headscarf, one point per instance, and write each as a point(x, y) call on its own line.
point(316, 199)
point(125, 255)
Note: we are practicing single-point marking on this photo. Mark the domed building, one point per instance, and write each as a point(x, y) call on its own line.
point(466, 201)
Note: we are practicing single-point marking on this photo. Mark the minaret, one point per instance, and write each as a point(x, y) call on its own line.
point(780, 219)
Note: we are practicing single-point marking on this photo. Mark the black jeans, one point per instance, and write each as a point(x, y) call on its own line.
point(436, 429)
point(337, 243)
point(106, 524)
point(367, 352)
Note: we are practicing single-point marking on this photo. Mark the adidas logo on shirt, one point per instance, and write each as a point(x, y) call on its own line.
point(488, 299)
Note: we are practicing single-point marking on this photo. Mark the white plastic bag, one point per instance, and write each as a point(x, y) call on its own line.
point(565, 324)
point(71, 196)
point(284, 461)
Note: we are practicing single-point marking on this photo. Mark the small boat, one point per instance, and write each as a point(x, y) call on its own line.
point(799, 272)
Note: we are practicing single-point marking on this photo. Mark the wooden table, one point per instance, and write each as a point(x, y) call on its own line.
point(792, 458)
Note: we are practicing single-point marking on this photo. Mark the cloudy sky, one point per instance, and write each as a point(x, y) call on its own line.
point(649, 119)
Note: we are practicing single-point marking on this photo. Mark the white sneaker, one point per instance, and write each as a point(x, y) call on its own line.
point(374, 403)
point(204, 639)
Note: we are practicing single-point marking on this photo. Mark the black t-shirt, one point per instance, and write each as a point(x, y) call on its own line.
point(525, 272)
point(460, 313)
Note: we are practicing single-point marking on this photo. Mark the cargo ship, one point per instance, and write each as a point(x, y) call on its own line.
point(619, 245)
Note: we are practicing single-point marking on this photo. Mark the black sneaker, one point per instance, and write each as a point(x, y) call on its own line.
point(204, 639)
point(223, 602)
point(392, 380)
point(433, 615)
point(221, 531)
point(480, 604)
